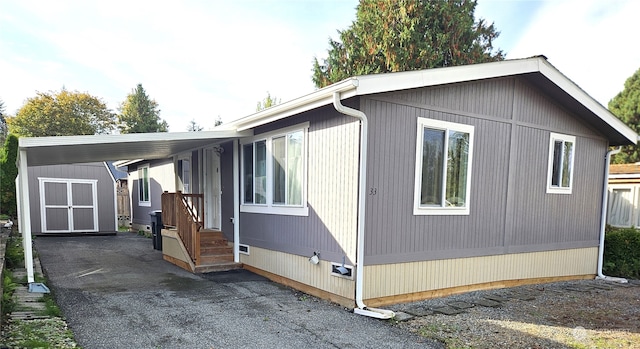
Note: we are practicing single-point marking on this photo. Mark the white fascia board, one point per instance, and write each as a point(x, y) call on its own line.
point(123, 163)
point(582, 97)
point(34, 142)
point(313, 100)
point(378, 83)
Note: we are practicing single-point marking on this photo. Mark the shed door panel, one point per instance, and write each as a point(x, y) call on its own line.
point(68, 205)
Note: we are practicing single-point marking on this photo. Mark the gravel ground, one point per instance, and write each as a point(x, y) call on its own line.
point(575, 314)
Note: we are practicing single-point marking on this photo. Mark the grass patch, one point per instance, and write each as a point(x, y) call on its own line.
point(39, 333)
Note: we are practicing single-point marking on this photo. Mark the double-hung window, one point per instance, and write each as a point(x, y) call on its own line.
point(443, 168)
point(274, 172)
point(560, 172)
point(143, 186)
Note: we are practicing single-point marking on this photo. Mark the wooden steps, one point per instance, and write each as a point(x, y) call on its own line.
point(215, 253)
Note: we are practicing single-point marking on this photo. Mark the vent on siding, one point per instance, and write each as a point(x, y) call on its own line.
point(343, 271)
point(244, 249)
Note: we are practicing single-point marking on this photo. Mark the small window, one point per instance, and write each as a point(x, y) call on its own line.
point(443, 168)
point(184, 174)
point(561, 154)
point(143, 186)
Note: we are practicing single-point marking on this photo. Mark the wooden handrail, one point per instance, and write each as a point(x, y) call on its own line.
point(185, 212)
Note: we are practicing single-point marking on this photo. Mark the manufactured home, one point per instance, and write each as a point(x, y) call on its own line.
point(624, 195)
point(391, 187)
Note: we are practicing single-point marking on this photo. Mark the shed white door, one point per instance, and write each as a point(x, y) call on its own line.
point(68, 205)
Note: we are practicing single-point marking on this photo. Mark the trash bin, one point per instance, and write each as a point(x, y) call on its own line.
point(156, 229)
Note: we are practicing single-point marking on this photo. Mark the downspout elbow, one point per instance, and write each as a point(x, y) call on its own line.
point(603, 220)
point(361, 309)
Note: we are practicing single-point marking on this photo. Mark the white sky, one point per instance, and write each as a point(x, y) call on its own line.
point(204, 59)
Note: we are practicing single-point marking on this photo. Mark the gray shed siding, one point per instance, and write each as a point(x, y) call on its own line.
point(510, 209)
point(105, 188)
point(330, 153)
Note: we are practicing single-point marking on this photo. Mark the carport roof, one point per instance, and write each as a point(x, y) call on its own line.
point(79, 149)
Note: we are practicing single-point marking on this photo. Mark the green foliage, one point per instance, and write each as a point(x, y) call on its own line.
point(39, 333)
point(622, 252)
point(8, 174)
point(140, 114)
point(14, 253)
point(62, 113)
point(401, 35)
point(626, 106)
point(3, 123)
point(267, 102)
point(8, 286)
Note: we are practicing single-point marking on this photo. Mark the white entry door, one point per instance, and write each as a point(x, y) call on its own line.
point(212, 191)
point(68, 205)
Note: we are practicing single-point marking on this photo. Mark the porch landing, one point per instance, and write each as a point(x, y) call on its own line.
point(216, 253)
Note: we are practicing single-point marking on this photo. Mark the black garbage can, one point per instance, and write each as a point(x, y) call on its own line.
point(156, 229)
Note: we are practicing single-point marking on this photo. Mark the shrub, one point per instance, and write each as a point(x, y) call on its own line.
point(622, 252)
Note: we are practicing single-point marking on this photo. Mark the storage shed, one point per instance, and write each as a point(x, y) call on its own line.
point(72, 199)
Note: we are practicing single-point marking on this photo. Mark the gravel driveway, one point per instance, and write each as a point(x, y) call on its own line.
point(117, 292)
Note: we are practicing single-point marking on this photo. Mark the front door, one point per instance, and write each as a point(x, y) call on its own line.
point(212, 192)
point(68, 205)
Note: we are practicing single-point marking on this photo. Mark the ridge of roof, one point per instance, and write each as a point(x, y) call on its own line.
point(385, 82)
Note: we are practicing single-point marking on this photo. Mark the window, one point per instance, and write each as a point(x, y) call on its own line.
point(143, 186)
point(184, 173)
point(274, 172)
point(443, 168)
point(561, 154)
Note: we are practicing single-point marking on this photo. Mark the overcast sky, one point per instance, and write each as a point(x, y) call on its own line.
point(204, 59)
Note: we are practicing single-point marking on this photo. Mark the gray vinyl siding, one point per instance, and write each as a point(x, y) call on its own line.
point(510, 209)
point(331, 193)
point(105, 188)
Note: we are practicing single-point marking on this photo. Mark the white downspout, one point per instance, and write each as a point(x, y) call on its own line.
point(362, 309)
point(236, 203)
point(603, 219)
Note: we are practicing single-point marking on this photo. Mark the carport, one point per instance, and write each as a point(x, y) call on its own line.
point(39, 151)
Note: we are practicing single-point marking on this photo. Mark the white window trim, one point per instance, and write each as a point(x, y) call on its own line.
point(441, 125)
point(180, 177)
point(270, 207)
point(140, 202)
point(565, 138)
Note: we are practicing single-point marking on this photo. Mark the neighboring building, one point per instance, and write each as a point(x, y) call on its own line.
point(624, 195)
point(73, 198)
point(388, 188)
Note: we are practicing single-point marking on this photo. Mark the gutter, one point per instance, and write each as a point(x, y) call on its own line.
point(361, 309)
point(603, 220)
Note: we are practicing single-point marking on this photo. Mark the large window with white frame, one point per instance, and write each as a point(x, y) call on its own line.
point(560, 170)
point(274, 172)
point(144, 186)
point(443, 168)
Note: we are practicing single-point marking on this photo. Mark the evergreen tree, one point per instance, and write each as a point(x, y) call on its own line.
point(400, 35)
point(626, 106)
point(140, 114)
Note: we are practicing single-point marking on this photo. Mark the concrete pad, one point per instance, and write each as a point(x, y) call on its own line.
point(447, 310)
point(486, 303)
point(419, 311)
point(495, 298)
point(461, 305)
point(402, 316)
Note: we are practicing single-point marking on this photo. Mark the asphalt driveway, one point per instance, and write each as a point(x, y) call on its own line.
point(117, 292)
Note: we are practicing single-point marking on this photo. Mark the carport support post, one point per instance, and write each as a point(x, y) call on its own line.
point(24, 214)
